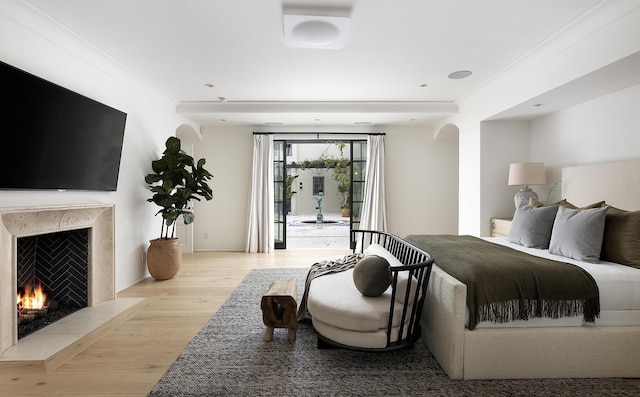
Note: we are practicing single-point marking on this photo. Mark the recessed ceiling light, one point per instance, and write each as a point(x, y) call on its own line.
point(423, 85)
point(460, 74)
point(223, 120)
point(222, 99)
point(209, 85)
point(307, 31)
point(538, 105)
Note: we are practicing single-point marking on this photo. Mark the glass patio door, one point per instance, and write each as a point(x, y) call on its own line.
point(279, 178)
point(358, 171)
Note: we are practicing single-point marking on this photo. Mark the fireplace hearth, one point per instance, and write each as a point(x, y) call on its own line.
point(32, 320)
point(36, 309)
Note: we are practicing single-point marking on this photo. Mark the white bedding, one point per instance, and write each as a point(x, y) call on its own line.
point(619, 288)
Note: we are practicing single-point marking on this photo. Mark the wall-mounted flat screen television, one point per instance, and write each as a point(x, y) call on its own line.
point(54, 138)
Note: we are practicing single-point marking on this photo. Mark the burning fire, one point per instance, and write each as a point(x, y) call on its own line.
point(33, 298)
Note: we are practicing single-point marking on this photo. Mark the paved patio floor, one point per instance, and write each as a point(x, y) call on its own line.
point(304, 233)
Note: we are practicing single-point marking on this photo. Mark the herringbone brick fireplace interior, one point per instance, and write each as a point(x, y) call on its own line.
point(58, 262)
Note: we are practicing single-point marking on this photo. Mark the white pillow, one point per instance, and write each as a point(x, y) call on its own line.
point(403, 277)
point(377, 249)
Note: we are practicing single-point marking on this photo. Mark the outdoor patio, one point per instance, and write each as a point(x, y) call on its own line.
point(304, 233)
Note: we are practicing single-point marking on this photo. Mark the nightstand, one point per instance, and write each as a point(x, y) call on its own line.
point(500, 227)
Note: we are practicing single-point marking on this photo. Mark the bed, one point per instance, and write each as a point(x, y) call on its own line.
point(547, 348)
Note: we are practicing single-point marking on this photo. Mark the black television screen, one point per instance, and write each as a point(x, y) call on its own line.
point(54, 138)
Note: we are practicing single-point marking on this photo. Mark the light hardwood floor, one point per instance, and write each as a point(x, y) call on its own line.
point(131, 358)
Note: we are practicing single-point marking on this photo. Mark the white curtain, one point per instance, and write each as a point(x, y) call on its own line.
point(261, 216)
point(374, 206)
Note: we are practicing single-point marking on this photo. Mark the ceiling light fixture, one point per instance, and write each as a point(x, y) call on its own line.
point(309, 31)
point(460, 74)
point(222, 99)
point(209, 85)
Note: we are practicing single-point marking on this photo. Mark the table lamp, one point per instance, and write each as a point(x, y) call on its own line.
point(526, 174)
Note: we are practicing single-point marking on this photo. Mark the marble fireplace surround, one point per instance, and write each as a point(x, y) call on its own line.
point(19, 222)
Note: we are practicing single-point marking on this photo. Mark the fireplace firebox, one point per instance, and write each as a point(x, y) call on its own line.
point(52, 278)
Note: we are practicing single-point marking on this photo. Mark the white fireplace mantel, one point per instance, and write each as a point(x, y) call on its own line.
point(16, 222)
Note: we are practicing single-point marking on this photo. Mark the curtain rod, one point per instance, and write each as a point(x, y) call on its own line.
point(318, 133)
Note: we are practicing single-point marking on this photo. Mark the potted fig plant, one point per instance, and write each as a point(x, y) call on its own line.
point(176, 180)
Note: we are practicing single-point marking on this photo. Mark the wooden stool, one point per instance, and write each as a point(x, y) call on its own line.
point(279, 308)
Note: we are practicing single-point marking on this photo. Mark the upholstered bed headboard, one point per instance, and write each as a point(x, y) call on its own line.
point(618, 183)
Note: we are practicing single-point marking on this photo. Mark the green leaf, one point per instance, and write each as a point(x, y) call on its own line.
point(173, 144)
point(176, 180)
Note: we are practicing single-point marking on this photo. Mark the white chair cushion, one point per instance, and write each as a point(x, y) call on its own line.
point(369, 340)
point(334, 299)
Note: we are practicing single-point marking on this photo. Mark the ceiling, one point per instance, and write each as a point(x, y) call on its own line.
point(392, 68)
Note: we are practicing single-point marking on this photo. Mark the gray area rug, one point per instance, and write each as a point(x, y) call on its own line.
point(228, 357)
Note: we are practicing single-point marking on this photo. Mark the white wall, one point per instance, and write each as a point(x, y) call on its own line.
point(305, 201)
point(601, 130)
point(422, 185)
point(469, 197)
point(502, 143)
point(581, 50)
point(421, 176)
point(39, 46)
point(221, 224)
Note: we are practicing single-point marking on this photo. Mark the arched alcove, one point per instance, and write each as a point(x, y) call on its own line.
point(188, 133)
point(189, 136)
point(447, 131)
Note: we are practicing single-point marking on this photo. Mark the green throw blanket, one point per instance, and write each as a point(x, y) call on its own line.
point(504, 284)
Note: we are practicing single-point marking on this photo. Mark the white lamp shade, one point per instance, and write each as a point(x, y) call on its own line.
point(527, 174)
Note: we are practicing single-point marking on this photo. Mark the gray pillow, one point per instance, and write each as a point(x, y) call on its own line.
point(532, 226)
point(372, 275)
point(577, 234)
